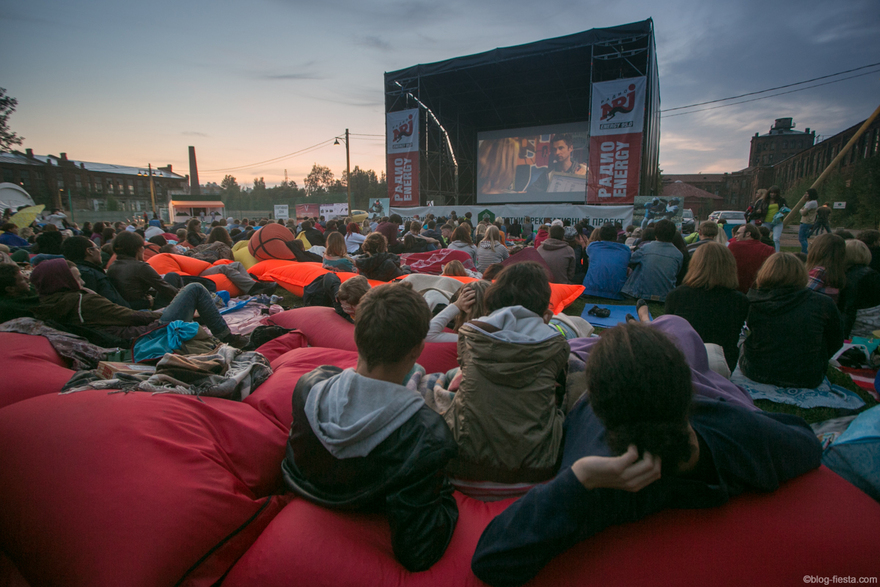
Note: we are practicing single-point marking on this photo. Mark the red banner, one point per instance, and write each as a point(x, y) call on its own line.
point(403, 179)
point(615, 161)
point(308, 210)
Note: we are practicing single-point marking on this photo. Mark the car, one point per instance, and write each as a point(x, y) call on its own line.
point(687, 224)
point(358, 216)
point(729, 216)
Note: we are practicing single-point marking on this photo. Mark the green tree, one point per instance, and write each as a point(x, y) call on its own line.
point(319, 180)
point(366, 187)
point(7, 107)
point(230, 187)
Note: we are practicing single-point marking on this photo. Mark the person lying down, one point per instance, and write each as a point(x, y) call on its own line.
point(639, 441)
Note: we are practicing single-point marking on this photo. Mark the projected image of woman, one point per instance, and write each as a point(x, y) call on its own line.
point(496, 162)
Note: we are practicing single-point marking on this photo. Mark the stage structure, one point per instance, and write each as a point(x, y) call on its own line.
point(574, 119)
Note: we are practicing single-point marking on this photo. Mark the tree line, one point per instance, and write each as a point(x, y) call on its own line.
point(319, 186)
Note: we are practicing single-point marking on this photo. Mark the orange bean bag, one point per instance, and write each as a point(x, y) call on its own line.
point(295, 276)
point(270, 242)
point(561, 295)
point(167, 263)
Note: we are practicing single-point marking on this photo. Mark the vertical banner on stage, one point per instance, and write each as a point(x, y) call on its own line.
point(617, 119)
point(403, 157)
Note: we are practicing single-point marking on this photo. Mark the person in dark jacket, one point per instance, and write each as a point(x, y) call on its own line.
point(793, 331)
point(312, 234)
point(63, 299)
point(133, 278)
point(377, 263)
point(639, 443)
point(17, 298)
point(860, 300)
point(558, 255)
point(709, 300)
point(361, 440)
point(87, 256)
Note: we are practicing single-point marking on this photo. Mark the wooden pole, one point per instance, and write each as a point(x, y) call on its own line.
point(790, 217)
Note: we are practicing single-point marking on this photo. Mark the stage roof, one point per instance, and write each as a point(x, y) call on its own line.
point(531, 85)
point(545, 82)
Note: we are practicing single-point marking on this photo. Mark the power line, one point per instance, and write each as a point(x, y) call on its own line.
point(354, 134)
point(773, 89)
point(765, 97)
point(300, 152)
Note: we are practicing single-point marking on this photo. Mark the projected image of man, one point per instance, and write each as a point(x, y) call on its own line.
point(563, 160)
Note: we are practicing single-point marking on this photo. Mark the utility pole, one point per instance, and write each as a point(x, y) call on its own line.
point(348, 171)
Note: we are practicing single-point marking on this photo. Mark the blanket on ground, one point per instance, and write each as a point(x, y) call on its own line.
point(226, 373)
point(824, 396)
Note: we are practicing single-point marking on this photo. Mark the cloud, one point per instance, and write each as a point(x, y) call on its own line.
point(289, 76)
point(193, 133)
point(374, 42)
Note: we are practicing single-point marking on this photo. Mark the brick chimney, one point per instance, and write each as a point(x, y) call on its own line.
point(64, 156)
point(193, 173)
point(29, 153)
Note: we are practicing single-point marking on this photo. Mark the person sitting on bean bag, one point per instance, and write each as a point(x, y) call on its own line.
point(64, 300)
point(377, 263)
point(636, 443)
point(361, 440)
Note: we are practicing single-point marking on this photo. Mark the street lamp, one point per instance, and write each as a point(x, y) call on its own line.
point(152, 187)
point(347, 167)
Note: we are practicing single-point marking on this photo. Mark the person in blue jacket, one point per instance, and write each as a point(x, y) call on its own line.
point(637, 444)
point(609, 261)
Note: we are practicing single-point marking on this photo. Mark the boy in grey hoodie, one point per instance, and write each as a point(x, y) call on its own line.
point(361, 440)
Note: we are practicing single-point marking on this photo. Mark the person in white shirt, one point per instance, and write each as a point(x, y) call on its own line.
point(808, 218)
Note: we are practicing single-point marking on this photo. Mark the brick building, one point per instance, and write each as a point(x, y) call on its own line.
point(780, 143)
point(57, 181)
point(813, 161)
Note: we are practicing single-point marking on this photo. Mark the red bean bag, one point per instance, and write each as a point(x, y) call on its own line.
point(432, 262)
point(284, 343)
point(30, 367)
point(270, 242)
point(817, 524)
point(134, 489)
point(272, 398)
point(323, 327)
point(181, 264)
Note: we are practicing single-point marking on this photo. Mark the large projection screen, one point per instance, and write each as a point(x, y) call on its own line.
point(535, 164)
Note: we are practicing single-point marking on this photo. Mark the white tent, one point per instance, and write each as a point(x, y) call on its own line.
point(13, 196)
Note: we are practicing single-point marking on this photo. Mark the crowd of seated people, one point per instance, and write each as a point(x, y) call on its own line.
point(636, 438)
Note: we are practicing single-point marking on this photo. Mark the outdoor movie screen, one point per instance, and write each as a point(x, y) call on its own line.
point(535, 164)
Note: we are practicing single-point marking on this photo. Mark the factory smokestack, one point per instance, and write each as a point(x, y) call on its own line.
point(193, 173)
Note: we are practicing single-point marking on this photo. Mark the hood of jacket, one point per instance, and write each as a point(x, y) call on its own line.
point(778, 301)
point(352, 414)
point(511, 355)
point(374, 264)
point(554, 244)
point(53, 276)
